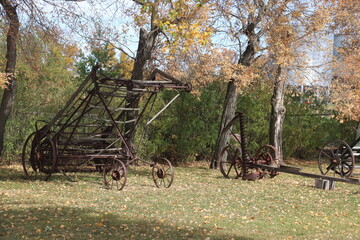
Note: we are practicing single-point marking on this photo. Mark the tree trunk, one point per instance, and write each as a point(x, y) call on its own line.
point(358, 131)
point(144, 50)
point(143, 54)
point(227, 115)
point(245, 59)
point(277, 114)
point(9, 92)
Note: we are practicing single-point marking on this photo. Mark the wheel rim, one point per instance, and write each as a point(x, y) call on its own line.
point(46, 158)
point(115, 175)
point(336, 158)
point(231, 162)
point(162, 173)
point(28, 157)
point(266, 153)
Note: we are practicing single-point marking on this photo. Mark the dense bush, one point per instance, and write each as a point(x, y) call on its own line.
point(188, 129)
point(255, 104)
point(309, 124)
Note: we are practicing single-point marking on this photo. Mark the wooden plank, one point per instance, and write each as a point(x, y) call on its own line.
point(93, 150)
point(152, 82)
point(98, 134)
point(108, 120)
point(94, 139)
point(117, 109)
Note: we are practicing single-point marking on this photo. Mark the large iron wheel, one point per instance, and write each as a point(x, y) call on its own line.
point(38, 157)
point(231, 162)
point(336, 158)
point(115, 175)
point(162, 173)
point(46, 158)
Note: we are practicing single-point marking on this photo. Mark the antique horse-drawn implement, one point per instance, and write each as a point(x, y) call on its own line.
point(93, 131)
point(237, 163)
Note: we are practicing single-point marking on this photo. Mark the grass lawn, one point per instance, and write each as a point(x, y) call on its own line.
point(200, 204)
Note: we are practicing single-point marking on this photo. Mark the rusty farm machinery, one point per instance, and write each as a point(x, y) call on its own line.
point(336, 159)
point(93, 131)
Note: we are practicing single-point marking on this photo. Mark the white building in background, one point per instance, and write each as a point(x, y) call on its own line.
point(338, 42)
point(313, 71)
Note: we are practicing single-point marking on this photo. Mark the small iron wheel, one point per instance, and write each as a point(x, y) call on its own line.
point(336, 158)
point(266, 155)
point(115, 175)
point(231, 162)
point(38, 157)
point(162, 173)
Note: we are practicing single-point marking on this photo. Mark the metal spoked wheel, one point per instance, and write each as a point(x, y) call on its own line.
point(231, 162)
point(38, 157)
point(115, 175)
point(266, 155)
point(336, 158)
point(46, 158)
point(162, 173)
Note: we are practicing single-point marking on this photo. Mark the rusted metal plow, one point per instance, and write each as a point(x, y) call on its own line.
point(235, 161)
point(93, 131)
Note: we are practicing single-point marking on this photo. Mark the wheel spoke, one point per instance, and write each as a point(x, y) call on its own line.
point(333, 153)
point(327, 169)
point(230, 159)
point(228, 172)
point(325, 153)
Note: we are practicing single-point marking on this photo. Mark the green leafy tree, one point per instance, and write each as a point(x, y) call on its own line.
point(106, 55)
point(44, 83)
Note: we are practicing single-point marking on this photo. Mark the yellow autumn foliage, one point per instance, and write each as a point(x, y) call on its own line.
point(3, 80)
point(346, 85)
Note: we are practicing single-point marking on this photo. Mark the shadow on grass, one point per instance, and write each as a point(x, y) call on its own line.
point(140, 171)
point(16, 174)
point(12, 174)
point(83, 223)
